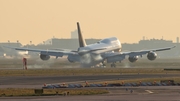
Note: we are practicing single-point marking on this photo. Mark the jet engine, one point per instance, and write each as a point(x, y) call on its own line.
point(151, 55)
point(73, 58)
point(44, 57)
point(70, 59)
point(133, 59)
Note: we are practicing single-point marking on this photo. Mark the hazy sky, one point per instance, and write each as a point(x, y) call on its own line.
point(128, 20)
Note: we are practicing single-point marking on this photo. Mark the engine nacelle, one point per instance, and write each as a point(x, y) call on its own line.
point(151, 55)
point(73, 58)
point(44, 57)
point(70, 59)
point(133, 59)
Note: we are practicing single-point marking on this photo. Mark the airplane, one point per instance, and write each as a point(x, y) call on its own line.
point(108, 49)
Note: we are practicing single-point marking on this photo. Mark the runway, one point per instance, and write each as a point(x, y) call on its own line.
point(132, 97)
point(38, 81)
point(170, 93)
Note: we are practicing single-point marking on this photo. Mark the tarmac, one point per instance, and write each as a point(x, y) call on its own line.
point(146, 93)
point(122, 93)
point(168, 93)
point(38, 81)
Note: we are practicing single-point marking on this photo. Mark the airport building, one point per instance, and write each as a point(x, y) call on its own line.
point(177, 40)
point(74, 34)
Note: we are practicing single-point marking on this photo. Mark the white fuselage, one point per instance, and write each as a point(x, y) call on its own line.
point(90, 59)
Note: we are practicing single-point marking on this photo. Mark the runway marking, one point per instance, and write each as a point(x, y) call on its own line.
point(149, 91)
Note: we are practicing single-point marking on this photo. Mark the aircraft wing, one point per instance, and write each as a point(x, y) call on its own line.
point(119, 56)
point(103, 50)
point(43, 51)
point(90, 51)
point(61, 49)
point(142, 52)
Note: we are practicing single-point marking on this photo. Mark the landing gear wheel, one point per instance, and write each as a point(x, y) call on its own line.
point(113, 65)
point(104, 65)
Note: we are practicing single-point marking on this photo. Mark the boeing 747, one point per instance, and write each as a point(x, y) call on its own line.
point(108, 49)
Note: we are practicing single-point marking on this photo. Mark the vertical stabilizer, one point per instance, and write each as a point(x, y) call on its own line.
point(82, 42)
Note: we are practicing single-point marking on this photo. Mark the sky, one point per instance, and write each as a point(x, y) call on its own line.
point(128, 20)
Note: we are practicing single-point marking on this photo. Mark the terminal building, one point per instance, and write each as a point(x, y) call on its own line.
point(74, 34)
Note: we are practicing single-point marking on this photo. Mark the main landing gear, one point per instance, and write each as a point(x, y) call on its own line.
point(113, 65)
point(103, 65)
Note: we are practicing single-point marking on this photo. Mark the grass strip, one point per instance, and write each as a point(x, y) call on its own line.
point(8, 92)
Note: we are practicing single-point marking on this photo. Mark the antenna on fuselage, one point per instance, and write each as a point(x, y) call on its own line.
point(82, 42)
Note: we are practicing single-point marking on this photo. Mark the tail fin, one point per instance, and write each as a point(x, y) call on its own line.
point(82, 42)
